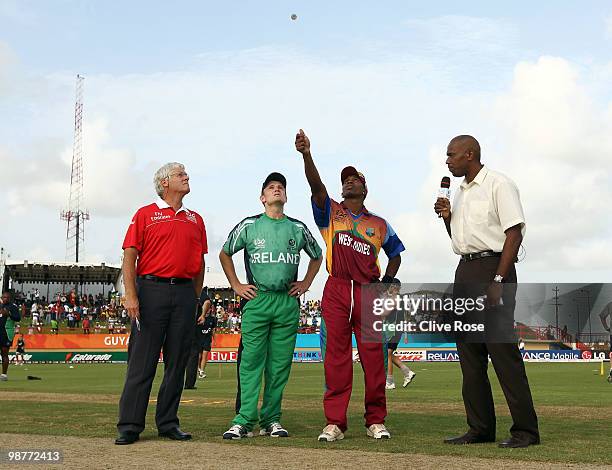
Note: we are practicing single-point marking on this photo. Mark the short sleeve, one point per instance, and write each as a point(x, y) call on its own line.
point(322, 215)
point(392, 245)
point(508, 205)
point(134, 238)
point(236, 240)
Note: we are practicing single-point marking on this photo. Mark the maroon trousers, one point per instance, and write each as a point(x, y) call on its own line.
point(342, 312)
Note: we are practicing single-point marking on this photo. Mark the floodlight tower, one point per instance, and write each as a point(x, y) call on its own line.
point(75, 217)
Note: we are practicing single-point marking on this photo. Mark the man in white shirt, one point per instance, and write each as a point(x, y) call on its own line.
point(486, 228)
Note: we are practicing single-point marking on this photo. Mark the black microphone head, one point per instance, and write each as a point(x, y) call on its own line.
point(445, 183)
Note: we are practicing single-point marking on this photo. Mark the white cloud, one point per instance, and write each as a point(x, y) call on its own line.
point(114, 184)
point(557, 143)
point(43, 180)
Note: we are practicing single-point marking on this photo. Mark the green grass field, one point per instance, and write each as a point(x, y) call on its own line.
point(573, 401)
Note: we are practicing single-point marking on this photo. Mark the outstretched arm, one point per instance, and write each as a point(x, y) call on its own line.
point(317, 188)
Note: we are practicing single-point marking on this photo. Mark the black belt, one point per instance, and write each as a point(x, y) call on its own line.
point(482, 254)
point(167, 280)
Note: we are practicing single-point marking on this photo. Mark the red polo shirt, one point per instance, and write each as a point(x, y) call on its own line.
point(169, 243)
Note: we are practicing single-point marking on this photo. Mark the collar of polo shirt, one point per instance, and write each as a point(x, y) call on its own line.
point(164, 205)
point(477, 180)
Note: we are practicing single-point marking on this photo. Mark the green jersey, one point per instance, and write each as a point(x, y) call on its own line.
point(271, 249)
point(7, 322)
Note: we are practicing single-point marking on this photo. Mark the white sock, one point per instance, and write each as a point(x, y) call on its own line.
point(390, 379)
point(405, 370)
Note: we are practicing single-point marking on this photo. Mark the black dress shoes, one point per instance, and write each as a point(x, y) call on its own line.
point(176, 434)
point(127, 437)
point(468, 438)
point(516, 442)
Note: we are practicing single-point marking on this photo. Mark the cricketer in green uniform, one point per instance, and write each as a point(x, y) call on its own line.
point(272, 243)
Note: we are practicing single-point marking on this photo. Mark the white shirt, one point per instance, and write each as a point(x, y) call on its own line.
point(483, 210)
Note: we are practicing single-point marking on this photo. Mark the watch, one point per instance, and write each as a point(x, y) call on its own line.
point(498, 278)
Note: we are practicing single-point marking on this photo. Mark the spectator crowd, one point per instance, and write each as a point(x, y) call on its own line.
point(69, 312)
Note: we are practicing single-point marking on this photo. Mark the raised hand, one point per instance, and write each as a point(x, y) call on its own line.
point(302, 142)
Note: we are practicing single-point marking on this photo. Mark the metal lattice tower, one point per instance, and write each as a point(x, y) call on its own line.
point(75, 217)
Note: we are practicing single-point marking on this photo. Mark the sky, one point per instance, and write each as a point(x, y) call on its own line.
point(223, 88)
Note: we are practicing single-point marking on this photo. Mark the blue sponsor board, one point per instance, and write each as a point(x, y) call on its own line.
point(551, 355)
point(307, 341)
point(564, 355)
point(528, 355)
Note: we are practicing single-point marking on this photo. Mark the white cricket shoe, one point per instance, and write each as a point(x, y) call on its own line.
point(237, 432)
point(274, 430)
point(331, 433)
point(378, 431)
point(389, 385)
point(408, 378)
point(3, 377)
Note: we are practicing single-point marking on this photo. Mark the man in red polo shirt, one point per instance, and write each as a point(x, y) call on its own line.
point(163, 273)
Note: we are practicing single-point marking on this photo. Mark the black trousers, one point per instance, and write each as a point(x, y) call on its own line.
point(471, 277)
point(193, 361)
point(167, 320)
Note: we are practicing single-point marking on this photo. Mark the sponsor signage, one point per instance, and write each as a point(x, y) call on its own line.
point(442, 356)
point(307, 356)
point(223, 356)
point(560, 355)
point(407, 355)
point(563, 355)
point(72, 357)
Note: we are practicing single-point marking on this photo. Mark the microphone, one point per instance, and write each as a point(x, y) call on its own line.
point(444, 191)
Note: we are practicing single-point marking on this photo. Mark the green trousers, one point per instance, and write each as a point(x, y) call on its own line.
point(269, 328)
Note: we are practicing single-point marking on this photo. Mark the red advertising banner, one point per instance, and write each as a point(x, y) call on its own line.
point(223, 356)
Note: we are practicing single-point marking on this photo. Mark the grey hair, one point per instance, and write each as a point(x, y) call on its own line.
point(164, 173)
